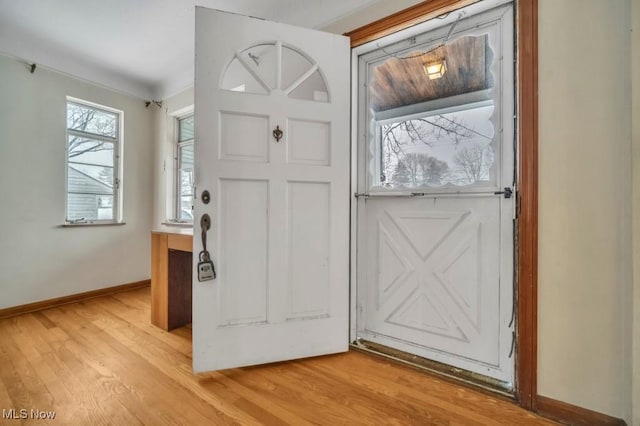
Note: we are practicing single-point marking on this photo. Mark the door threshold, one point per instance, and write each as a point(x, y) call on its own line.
point(458, 375)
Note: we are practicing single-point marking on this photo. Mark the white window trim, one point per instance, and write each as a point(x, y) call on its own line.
point(117, 168)
point(172, 191)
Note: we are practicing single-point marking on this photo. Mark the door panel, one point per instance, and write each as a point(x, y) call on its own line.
point(435, 241)
point(279, 209)
point(244, 137)
point(309, 231)
point(309, 143)
point(245, 238)
point(435, 269)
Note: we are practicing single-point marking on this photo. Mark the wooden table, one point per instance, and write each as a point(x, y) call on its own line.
point(171, 272)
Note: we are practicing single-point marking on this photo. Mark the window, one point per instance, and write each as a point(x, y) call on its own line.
point(434, 149)
point(433, 129)
point(93, 163)
point(184, 175)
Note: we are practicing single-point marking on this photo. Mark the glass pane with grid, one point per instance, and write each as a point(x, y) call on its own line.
point(184, 175)
point(92, 155)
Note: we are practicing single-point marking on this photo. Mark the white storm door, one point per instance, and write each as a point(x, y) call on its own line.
point(279, 209)
point(436, 165)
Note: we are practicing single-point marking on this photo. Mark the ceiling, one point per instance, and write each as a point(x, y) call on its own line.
point(401, 80)
point(140, 47)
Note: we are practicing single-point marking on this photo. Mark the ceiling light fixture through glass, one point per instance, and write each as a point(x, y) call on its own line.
point(435, 69)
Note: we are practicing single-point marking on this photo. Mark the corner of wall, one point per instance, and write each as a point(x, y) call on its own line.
point(164, 154)
point(377, 10)
point(33, 181)
point(635, 132)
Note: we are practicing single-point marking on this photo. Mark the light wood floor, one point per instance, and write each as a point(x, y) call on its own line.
point(102, 362)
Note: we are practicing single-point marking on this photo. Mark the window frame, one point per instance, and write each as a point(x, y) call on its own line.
point(178, 146)
point(118, 141)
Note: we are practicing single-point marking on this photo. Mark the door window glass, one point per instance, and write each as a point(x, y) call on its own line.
point(432, 111)
point(266, 67)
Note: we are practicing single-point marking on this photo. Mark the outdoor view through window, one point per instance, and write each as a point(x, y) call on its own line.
point(92, 160)
point(433, 130)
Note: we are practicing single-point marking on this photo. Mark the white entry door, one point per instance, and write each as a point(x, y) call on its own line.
point(272, 149)
point(435, 217)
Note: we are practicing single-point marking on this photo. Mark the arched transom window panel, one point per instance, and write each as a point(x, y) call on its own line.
point(266, 67)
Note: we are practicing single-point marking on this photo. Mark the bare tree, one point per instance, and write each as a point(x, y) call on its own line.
point(86, 120)
point(433, 170)
point(474, 162)
point(417, 169)
point(402, 169)
point(425, 130)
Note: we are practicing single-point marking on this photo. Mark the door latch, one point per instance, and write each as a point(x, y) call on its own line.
point(508, 192)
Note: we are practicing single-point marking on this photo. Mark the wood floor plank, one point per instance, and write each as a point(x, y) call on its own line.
point(96, 378)
point(151, 388)
point(172, 364)
point(423, 389)
point(81, 395)
point(102, 362)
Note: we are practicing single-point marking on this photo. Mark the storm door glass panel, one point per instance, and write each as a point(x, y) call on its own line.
point(447, 148)
point(432, 112)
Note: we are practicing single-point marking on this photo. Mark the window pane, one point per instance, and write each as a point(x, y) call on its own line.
point(402, 80)
point(186, 208)
point(186, 156)
point(89, 207)
point(294, 65)
point(82, 150)
point(432, 110)
point(453, 148)
point(186, 129)
point(238, 79)
point(186, 182)
point(89, 178)
point(262, 58)
point(86, 119)
point(312, 89)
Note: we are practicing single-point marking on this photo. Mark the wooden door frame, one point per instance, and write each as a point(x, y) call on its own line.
point(527, 197)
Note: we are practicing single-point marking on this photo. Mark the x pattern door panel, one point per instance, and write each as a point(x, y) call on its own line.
point(435, 265)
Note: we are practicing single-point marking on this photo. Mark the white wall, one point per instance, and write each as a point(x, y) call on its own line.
point(635, 114)
point(368, 14)
point(585, 262)
point(39, 259)
point(164, 155)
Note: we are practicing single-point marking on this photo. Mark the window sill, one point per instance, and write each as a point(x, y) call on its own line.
point(78, 225)
point(178, 224)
